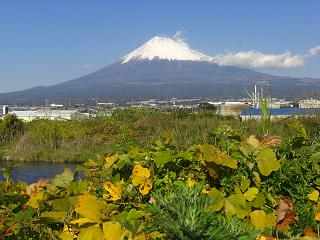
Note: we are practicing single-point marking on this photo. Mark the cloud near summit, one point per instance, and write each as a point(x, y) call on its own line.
point(257, 59)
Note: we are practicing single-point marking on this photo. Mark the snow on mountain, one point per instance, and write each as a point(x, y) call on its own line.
point(165, 48)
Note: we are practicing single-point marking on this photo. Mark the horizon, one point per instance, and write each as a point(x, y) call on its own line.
point(52, 42)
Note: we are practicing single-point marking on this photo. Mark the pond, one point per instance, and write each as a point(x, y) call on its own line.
point(31, 172)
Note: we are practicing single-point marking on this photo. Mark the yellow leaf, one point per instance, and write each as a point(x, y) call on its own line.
point(145, 187)
point(236, 204)
point(140, 177)
point(81, 221)
point(317, 212)
point(266, 238)
point(114, 191)
point(228, 161)
point(168, 135)
point(271, 220)
point(313, 196)
point(190, 182)
point(257, 179)
point(213, 173)
point(90, 207)
point(253, 141)
point(205, 191)
point(209, 153)
point(36, 199)
point(57, 215)
point(245, 183)
point(258, 219)
point(65, 236)
point(91, 233)
point(114, 231)
point(108, 161)
point(267, 161)
point(250, 194)
point(218, 197)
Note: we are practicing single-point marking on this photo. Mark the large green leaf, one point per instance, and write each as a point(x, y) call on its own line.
point(162, 157)
point(245, 183)
point(77, 188)
point(63, 180)
point(24, 214)
point(218, 199)
point(227, 160)
point(267, 162)
point(259, 201)
point(236, 204)
point(206, 152)
point(209, 153)
point(63, 204)
point(251, 193)
point(52, 217)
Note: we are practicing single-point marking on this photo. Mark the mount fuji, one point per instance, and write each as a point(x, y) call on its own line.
point(162, 67)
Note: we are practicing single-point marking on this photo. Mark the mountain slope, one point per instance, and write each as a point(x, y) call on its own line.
point(162, 67)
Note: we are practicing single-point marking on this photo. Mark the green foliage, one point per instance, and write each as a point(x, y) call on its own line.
point(185, 213)
point(10, 127)
point(172, 175)
point(265, 116)
point(207, 106)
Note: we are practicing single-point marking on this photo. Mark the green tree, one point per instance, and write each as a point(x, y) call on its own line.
point(10, 126)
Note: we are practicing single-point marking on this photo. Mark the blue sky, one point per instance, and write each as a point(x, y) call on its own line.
point(43, 42)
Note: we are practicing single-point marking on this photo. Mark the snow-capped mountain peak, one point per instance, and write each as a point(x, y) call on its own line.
point(164, 48)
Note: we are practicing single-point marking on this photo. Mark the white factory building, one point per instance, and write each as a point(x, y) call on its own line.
point(29, 115)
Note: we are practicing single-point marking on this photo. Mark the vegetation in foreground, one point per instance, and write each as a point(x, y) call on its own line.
point(77, 141)
point(232, 185)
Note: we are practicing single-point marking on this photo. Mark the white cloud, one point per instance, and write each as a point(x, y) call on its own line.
point(257, 59)
point(313, 51)
point(179, 37)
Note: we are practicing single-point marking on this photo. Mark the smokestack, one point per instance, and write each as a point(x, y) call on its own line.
point(5, 110)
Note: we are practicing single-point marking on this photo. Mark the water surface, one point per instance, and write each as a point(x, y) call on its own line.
point(31, 172)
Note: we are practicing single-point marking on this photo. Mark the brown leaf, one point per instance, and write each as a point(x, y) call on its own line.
point(285, 205)
point(153, 201)
point(308, 232)
point(270, 141)
point(289, 218)
point(34, 187)
point(285, 214)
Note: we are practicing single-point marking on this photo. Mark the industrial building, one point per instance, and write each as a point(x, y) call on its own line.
point(255, 113)
point(29, 115)
point(309, 103)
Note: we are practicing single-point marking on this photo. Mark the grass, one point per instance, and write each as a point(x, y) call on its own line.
point(53, 141)
point(3, 151)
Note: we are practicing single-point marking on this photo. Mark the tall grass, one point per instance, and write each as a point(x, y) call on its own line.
point(265, 116)
point(46, 140)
